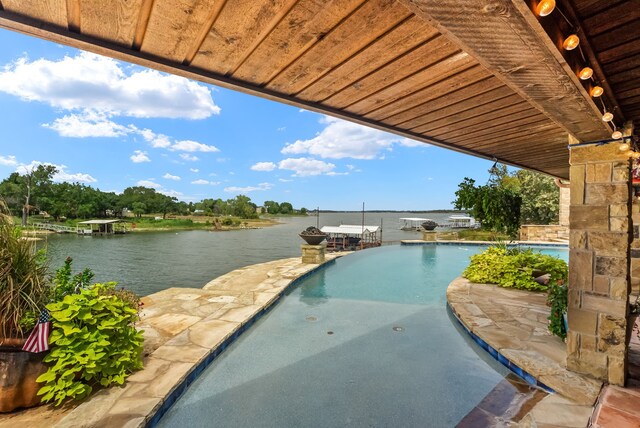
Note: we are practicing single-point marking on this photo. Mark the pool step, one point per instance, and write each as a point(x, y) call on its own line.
point(509, 401)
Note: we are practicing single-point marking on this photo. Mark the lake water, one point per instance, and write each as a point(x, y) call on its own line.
point(152, 261)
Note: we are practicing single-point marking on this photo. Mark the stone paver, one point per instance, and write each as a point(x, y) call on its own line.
point(514, 323)
point(182, 326)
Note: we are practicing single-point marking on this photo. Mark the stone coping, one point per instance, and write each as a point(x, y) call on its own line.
point(513, 326)
point(184, 330)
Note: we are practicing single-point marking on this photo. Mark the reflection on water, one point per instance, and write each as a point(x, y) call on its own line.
point(313, 291)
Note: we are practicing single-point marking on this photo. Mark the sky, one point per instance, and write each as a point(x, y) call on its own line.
point(112, 125)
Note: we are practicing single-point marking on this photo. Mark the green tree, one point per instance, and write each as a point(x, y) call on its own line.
point(27, 190)
point(540, 198)
point(286, 208)
point(139, 208)
point(496, 205)
point(272, 207)
point(507, 199)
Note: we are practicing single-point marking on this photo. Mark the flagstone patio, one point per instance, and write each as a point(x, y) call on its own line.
point(182, 327)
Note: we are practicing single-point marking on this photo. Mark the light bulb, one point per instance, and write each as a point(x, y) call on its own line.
point(597, 91)
point(571, 42)
point(545, 7)
point(607, 117)
point(624, 147)
point(616, 135)
point(585, 73)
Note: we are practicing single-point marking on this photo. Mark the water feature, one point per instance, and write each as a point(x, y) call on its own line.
point(151, 261)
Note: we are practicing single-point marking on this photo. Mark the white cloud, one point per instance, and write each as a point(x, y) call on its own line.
point(189, 157)
point(236, 189)
point(171, 177)
point(139, 156)
point(341, 139)
point(201, 181)
point(61, 175)
point(264, 166)
point(149, 183)
point(303, 167)
point(282, 129)
point(8, 161)
point(87, 124)
point(89, 81)
point(196, 170)
point(284, 180)
point(192, 146)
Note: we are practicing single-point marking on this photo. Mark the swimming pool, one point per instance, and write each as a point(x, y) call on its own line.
point(364, 341)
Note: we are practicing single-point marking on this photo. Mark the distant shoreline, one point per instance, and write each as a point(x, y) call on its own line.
point(392, 211)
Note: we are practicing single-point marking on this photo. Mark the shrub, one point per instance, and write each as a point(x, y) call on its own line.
point(24, 287)
point(514, 267)
point(94, 340)
point(557, 299)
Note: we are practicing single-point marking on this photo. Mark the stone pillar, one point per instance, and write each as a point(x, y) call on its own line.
point(429, 235)
point(565, 198)
point(313, 254)
point(600, 236)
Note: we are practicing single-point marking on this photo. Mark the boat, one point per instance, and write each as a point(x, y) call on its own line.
point(351, 237)
point(415, 224)
point(462, 222)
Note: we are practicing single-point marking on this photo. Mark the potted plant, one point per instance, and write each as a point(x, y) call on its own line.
point(24, 291)
point(313, 235)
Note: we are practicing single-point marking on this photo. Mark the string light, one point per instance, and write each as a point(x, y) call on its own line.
point(597, 91)
point(635, 155)
point(617, 135)
point(571, 42)
point(624, 147)
point(607, 116)
point(585, 73)
point(545, 7)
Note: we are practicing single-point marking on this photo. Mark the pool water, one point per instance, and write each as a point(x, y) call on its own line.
point(365, 341)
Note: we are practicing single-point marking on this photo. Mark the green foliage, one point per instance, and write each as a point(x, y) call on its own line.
point(24, 287)
point(514, 268)
point(496, 207)
point(557, 299)
point(507, 200)
point(541, 198)
point(65, 284)
point(481, 235)
point(94, 340)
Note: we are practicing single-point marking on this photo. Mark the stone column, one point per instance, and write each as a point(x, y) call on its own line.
point(313, 254)
point(600, 236)
point(563, 215)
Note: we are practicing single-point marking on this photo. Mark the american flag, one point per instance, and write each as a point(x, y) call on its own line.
point(38, 340)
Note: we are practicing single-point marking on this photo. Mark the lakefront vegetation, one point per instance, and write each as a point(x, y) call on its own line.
point(509, 200)
point(35, 192)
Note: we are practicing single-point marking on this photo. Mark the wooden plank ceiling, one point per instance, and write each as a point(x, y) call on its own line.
point(612, 28)
point(375, 62)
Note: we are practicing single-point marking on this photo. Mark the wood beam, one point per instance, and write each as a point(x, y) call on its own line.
point(506, 38)
point(58, 34)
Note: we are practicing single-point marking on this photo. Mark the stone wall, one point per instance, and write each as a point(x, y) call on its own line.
point(600, 236)
point(635, 243)
point(546, 233)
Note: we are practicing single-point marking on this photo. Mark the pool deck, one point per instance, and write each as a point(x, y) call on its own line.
point(184, 329)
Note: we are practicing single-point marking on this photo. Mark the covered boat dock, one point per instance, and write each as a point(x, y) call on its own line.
point(349, 237)
point(102, 227)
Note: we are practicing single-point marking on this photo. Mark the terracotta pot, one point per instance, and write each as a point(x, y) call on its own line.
point(18, 373)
